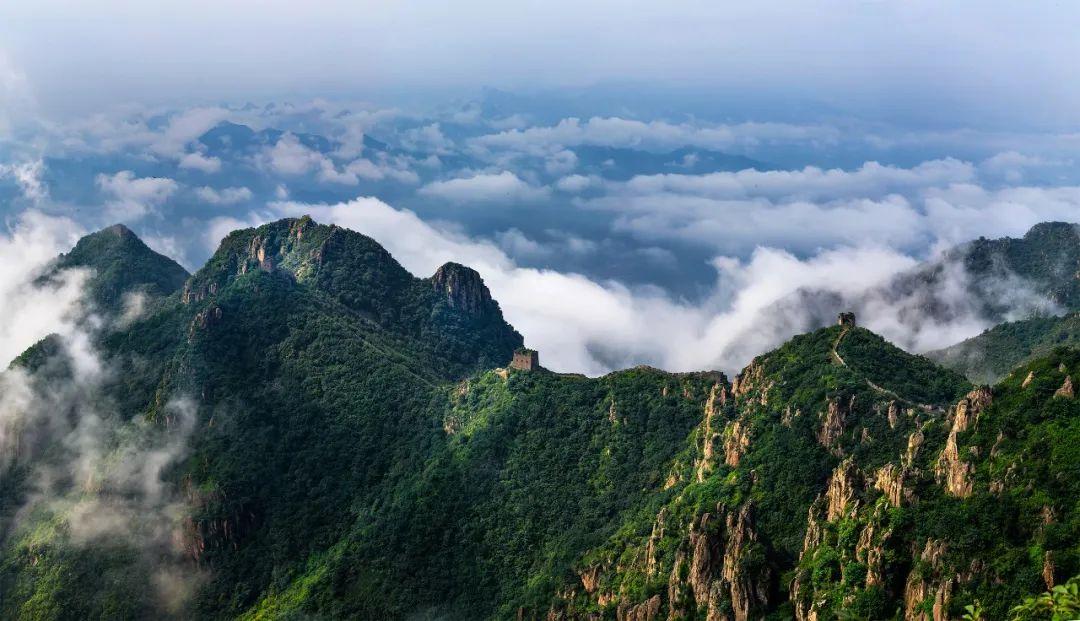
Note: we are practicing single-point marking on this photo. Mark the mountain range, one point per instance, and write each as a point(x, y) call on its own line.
point(303, 429)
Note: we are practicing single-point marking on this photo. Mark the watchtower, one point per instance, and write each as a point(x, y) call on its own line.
point(846, 320)
point(525, 360)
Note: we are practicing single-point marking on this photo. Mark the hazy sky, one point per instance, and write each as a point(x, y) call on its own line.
point(990, 63)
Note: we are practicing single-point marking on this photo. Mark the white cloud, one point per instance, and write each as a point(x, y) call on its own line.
point(583, 325)
point(651, 135)
point(134, 197)
point(31, 310)
point(804, 210)
point(185, 127)
point(504, 186)
point(28, 176)
point(198, 161)
point(871, 180)
point(289, 156)
point(574, 184)
point(520, 246)
point(561, 162)
point(384, 168)
point(427, 139)
point(224, 196)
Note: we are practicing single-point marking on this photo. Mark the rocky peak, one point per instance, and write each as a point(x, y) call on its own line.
point(463, 287)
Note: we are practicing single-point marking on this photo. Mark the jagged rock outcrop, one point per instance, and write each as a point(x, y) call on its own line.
point(711, 571)
point(914, 443)
point(590, 578)
point(893, 414)
point(952, 469)
point(717, 398)
point(1027, 380)
point(843, 486)
point(1048, 569)
point(833, 424)
point(203, 320)
point(645, 611)
point(870, 549)
point(747, 591)
point(890, 481)
point(463, 287)
point(655, 537)
point(967, 411)
point(736, 442)
point(937, 585)
point(1066, 391)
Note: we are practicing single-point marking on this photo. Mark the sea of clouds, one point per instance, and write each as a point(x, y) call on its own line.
point(653, 265)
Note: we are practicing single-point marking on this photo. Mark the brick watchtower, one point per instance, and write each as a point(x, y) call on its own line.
point(525, 360)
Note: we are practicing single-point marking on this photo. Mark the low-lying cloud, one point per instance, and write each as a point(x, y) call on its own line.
point(485, 188)
point(590, 326)
point(86, 470)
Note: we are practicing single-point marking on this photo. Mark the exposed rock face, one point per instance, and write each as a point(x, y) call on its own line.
point(645, 611)
point(893, 414)
point(870, 549)
point(914, 443)
point(1048, 569)
point(952, 470)
point(717, 398)
point(842, 489)
point(747, 592)
point(750, 378)
point(651, 553)
point(802, 596)
point(918, 588)
point(204, 319)
point(1027, 380)
point(968, 409)
point(590, 578)
point(1066, 390)
point(736, 441)
point(712, 571)
point(832, 424)
point(890, 480)
point(706, 551)
point(463, 288)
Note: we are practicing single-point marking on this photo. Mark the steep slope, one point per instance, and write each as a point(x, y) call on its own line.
point(833, 486)
point(122, 264)
point(993, 354)
point(527, 470)
point(308, 360)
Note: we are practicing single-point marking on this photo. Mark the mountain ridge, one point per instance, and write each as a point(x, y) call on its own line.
point(354, 446)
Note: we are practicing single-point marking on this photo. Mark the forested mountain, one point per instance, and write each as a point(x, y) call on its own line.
point(997, 351)
point(302, 429)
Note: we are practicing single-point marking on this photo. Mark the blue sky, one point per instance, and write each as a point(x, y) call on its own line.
point(663, 176)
